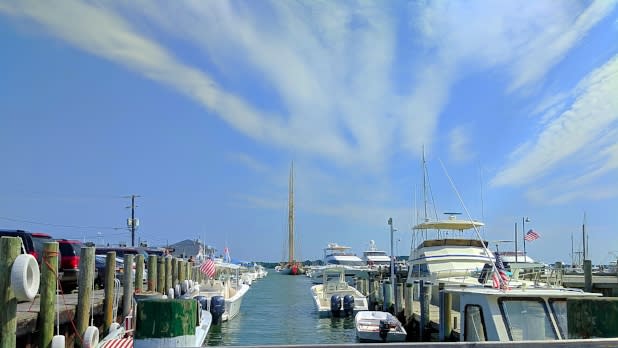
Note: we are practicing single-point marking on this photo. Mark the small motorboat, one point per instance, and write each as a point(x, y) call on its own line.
point(376, 326)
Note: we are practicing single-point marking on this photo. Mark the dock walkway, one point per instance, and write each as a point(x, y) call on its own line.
point(27, 312)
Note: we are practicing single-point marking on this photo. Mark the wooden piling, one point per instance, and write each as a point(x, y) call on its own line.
point(588, 275)
point(182, 271)
point(399, 303)
point(152, 273)
point(49, 272)
point(408, 300)
point(168, 274)
point(174, 272)
point(424, 300)
point(85, 289)
point(387, 290)
point(161, 275)
point(139, 273)
point(445, 313)
point(127, 285)
point(110, 278)
point(10, 247)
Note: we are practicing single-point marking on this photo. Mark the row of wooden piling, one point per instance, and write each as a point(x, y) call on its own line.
point(163, 273)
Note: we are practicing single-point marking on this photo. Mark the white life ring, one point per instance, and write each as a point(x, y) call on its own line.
point(91, 337)
point(25, 277)
point(58, 341)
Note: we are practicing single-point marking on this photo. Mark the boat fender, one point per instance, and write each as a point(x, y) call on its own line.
point(58, 341)
point(348, 305)
point(190, 283)
point(335, 305)
point(385, 327)
point(185, 286)
point(25, 277)
point(170, 293)
point(217, 308)
point(177, 291)
point(91, 337)
point(113, 327)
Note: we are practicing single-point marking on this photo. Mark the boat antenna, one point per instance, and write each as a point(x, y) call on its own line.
point(476, 230)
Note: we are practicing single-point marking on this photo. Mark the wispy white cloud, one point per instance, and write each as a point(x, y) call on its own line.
point(248, 162)
point(580, 130)
point(459, 147)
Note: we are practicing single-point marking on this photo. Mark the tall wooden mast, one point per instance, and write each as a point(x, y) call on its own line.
point(291, 216)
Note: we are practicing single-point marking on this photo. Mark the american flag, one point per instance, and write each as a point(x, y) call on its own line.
point(499, 279)
point(208, 268)
point(531, 235)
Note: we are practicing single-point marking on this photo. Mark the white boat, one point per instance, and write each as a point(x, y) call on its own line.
point(227, 287)
point(376, 326)
point(376, 258)
point(335, 254)
point(335, 297)
point(518, 314)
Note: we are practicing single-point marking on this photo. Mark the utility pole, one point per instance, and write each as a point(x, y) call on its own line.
point(132, 223)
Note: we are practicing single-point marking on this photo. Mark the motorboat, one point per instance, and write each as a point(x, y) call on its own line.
point(376, 258)
point(224, 292)
point(335, 297)
point(335, 254)
point(518, 314)
point(377, 326)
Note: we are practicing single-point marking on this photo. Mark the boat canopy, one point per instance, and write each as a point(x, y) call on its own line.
point(450, 224)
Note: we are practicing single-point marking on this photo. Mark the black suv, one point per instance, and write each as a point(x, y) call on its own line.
point(33, 241)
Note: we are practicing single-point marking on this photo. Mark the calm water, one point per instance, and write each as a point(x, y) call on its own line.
point(279, 309)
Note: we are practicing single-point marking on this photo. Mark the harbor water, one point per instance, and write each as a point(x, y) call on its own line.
point(279, 310)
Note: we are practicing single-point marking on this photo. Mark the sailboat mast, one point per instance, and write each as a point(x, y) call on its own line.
point(291, 215)
point(425, 184)
point(584, 237)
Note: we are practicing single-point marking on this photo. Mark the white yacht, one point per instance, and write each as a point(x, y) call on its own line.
point(335, 254)
point(227, 288)
point(376, 258)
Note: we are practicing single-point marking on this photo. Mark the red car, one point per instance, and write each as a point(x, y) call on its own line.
point(69, 263)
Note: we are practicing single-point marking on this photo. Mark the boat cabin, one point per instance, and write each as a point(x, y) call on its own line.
point(488, 314)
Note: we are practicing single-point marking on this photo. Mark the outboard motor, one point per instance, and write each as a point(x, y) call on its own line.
point(217, 307)
point(335, 305)
point(203, 301)
point(385, 327)
point(348, 305)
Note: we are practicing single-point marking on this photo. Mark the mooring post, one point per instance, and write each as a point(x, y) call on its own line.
point(85, 288)
point(399, 300)
point(174, 272)
point(182, 272)
point(139, 273)
point(152, 272)
point(10, 248)
point(387, 290)
point(168, 275)
point(445, 313)
point(110, 278)
point(408, 300)
point(49, 270)
point(127, 286)
point(424, 299)
point(588, 275)
point(161, 275)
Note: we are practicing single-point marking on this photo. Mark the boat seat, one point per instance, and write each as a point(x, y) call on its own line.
point(330, 287)
point(342, 286)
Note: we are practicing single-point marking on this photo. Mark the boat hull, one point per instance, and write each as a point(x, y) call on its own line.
point(367, 327)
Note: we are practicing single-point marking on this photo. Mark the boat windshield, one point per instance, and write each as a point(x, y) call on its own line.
point(559, 307)
point(346, 262)
point(527, 319)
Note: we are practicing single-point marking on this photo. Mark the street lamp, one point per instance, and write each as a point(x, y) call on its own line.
point(393, 283)
point(523, 232)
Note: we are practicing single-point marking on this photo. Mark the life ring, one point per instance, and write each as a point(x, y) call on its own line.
point(91, 337)
point(58, 341)
point(25, 277)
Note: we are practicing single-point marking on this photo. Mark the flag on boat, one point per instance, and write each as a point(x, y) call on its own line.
point(531, 235)
point(208, 268)
point(226, 254)
point(499, 279)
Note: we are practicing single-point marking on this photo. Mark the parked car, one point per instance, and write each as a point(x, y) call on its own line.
point(101, 264)
point(33, 241)
point(69, 263)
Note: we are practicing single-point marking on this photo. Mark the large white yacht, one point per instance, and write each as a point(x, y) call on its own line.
point(376, 258)
point(335, 254)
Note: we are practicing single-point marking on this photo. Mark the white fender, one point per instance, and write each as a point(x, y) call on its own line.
point(177, 290)
point(185, 286)
point(91, 337)
point(163, 297)
point(170, 293)
point(58, 341)
point(25, 277)
point(190, 283)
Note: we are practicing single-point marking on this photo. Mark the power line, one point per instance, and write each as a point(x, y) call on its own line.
point(59, 225)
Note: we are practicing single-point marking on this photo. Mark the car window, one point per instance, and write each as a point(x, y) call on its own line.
point(68, 249)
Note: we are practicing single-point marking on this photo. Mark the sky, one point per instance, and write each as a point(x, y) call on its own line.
point(200, 108)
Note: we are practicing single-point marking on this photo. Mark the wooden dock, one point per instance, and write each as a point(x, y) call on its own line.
point(27, 312)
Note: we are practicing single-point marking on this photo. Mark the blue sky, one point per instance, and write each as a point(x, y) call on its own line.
point(199, 107)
